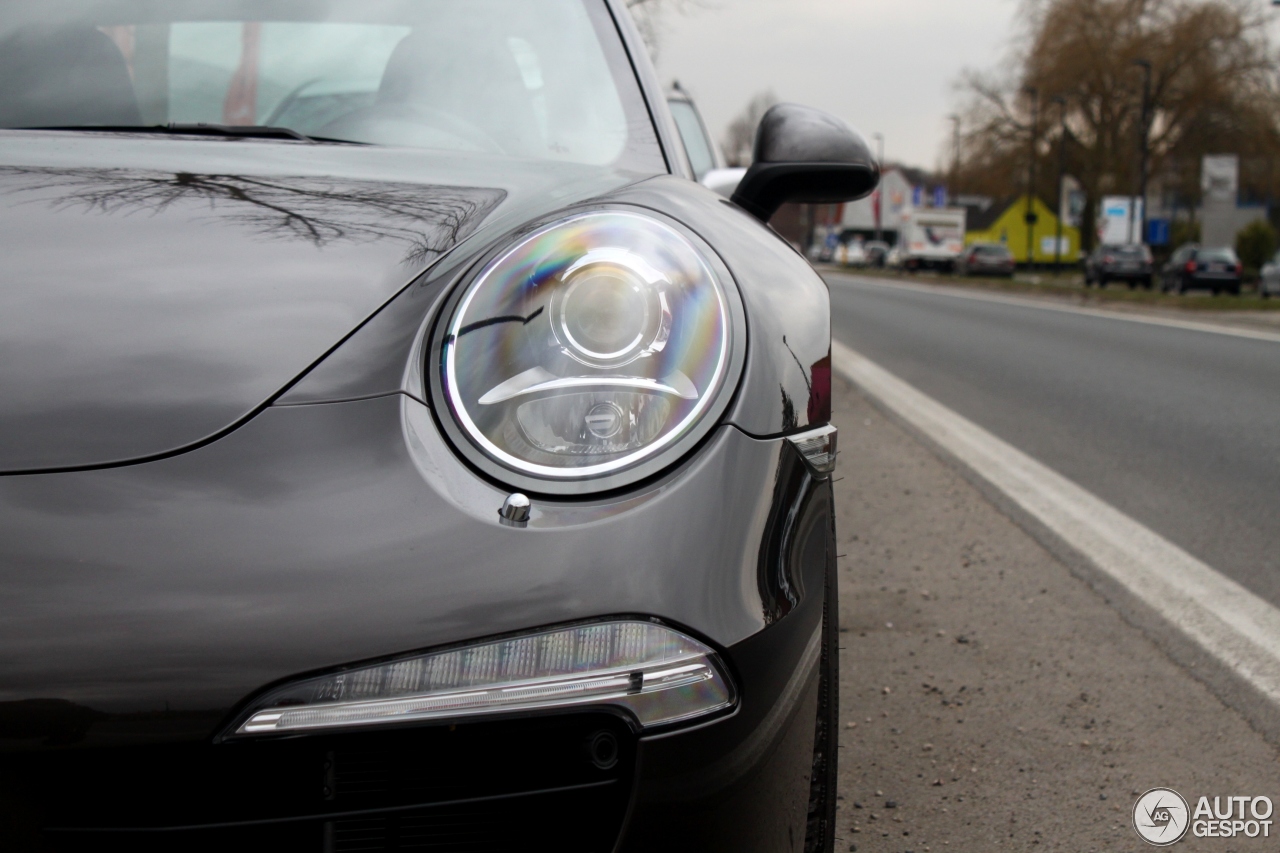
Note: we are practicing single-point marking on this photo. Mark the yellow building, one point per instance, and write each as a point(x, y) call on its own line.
point(1005, 222)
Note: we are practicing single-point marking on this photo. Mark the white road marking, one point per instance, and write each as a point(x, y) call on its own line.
point(1028, 302)
point(1229, 622)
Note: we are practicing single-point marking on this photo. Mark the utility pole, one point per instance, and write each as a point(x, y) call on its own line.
point(1031, 175)
point(879, 138)
point(955, 149)
point(1144, 132)
point(1062, 175)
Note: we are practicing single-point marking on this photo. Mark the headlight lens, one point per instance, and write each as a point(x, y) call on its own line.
point(589, 346)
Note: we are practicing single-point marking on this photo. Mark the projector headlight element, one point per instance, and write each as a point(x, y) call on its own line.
point(589, 347)
point(652, 673)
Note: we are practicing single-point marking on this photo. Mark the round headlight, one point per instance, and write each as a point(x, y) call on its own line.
point(589, 347)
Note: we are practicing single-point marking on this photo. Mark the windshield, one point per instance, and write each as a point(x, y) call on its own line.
point(537, 80)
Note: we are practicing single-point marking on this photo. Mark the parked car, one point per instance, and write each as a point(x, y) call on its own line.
point(397, 476)
point(1195, 267)
point(1269, 278)
point(1131, 264)
point(852, 253)
point(705, 156)
point(877, 252)
point(985, 259)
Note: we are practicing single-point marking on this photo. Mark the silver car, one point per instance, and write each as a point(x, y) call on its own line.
point(1269, 279)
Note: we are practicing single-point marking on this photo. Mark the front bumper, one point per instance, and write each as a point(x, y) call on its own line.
point(149, 601)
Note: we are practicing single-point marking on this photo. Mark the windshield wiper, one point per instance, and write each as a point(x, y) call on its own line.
point(255, 131)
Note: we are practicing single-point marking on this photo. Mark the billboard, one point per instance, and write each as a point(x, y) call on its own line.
point(1220, 178)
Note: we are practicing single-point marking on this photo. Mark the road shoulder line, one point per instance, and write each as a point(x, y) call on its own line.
point(1235, 631)
point(1026, 302)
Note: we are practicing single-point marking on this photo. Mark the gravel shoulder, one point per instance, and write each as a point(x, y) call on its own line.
point(989, 698)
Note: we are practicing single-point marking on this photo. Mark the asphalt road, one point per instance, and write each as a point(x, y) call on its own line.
point(1179, 429)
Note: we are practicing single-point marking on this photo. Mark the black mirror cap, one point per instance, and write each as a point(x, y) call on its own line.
point(805, 155)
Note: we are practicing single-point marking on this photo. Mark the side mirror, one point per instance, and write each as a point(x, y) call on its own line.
point(803, 154)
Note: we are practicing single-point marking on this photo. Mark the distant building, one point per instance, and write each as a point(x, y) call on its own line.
point(1004, 221)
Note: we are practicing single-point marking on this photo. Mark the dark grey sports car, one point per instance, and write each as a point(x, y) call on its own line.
point(400, 450)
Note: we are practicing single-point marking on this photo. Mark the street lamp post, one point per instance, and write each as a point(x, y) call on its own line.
point(955, 151)
point(879, 138)
point(1031, 175)
point(1062, 174)
point(1144, 132)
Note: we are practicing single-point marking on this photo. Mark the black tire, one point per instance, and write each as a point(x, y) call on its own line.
point(1234, 290)
point(1102, 282)
point(820, 830)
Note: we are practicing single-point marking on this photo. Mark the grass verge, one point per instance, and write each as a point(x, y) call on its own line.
point(1072, 285)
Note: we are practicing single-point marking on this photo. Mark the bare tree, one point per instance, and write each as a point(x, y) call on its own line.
point(1212, 90)
point(740, 136)
point(648, 17)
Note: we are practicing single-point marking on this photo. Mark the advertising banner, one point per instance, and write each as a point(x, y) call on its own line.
point(1120, 221)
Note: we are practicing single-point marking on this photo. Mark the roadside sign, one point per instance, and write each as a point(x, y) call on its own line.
point(939, 196)
point(917, 196)
point(1048, 244)
point(1158, 232)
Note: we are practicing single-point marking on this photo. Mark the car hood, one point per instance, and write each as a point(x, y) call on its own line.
point(155, 292)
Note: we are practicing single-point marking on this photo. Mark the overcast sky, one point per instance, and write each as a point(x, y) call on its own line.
point(884, 66)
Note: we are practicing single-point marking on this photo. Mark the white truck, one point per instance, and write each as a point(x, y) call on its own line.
point(931, 237)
